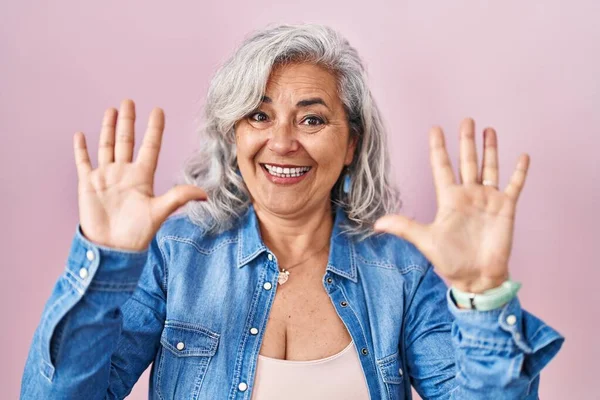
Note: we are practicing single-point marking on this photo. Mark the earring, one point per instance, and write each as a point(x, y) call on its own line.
point(347, 183)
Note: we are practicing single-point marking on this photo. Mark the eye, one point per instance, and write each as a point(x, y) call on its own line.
point(258, 116)
point(313, 120)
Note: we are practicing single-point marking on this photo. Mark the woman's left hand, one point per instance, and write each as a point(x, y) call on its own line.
point(470, 240)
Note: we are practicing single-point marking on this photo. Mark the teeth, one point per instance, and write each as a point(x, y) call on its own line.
point(286, 172)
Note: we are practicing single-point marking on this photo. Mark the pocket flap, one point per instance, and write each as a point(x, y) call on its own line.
point(391, 369)
point(189, 340)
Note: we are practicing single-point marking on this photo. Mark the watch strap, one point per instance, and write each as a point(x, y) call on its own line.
point(488, 300)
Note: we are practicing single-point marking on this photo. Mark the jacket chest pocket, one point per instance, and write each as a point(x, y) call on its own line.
point(391, 371)
point(185, 354)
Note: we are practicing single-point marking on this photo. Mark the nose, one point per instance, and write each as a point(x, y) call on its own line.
point(282, 140)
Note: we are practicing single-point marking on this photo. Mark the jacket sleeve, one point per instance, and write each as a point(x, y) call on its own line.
point(101, 326)
point(468, 354)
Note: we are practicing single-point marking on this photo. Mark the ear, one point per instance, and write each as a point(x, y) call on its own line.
point(351, 150)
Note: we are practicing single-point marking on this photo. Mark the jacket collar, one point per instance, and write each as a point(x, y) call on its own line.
point(342, 260)
point(250, 243)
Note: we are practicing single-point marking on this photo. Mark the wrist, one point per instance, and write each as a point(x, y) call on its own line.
point(480, 284)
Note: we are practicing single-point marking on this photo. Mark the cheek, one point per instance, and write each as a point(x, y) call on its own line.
point(329, 154)
point(248, 146)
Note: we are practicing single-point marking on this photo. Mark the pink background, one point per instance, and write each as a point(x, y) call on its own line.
point(530, 69)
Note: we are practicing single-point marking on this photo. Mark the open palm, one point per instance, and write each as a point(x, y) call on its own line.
point(470, 239)
point(117, 206)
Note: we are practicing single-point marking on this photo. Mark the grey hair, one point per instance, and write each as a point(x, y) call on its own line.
point(237, 89)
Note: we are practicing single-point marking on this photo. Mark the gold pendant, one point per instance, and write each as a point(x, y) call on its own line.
point(283, 276)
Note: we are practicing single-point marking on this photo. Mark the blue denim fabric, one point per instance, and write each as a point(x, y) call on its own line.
point(188, 302)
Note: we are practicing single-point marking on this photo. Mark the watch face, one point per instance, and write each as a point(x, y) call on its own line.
point(461, 301)
point(472, 301)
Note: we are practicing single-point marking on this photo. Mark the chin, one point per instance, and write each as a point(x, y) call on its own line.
point(280, 206)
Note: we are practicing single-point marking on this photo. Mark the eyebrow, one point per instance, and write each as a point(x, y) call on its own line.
point(301, 103)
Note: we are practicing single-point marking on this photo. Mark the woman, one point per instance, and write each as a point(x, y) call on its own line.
point(288, 276)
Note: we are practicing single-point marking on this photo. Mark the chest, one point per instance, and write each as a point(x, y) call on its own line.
point(225, 315)
point(303, 323)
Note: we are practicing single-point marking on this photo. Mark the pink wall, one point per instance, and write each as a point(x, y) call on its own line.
point(530, 69)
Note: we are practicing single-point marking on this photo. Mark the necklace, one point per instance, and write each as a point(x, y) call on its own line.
point(284, 273)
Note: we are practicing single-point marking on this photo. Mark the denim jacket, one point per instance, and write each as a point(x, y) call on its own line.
point(189, 302)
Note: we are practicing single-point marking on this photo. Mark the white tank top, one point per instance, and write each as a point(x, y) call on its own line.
point(339, 376)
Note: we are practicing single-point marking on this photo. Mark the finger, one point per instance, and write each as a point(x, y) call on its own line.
point(177, 197)
point(468, 153)
point(125, 136)
point(489, 164)
point(401, 226)
point(148, 154)
point(441, 165)
point(106, 146)
point(82, 158)
point(517, 181)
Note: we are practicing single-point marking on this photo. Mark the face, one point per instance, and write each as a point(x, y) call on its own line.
point(292, 149)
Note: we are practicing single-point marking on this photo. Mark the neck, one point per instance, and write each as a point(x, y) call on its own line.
point(293, 237)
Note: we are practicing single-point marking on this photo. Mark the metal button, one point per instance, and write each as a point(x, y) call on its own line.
point(242, 386)
point(83, 273)
point(511, 320)
point(253, 331)
point(180, 346)
point(344, 303)
point(329, 280)
point(90, 255)
point(270, 257)
point(267, 286)
point(400, 372)
point(364, 351)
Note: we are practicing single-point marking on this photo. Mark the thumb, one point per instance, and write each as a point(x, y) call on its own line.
point(176, 197)
point(403, 227)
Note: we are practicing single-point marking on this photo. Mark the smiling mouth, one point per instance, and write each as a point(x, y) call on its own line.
point(285, 172)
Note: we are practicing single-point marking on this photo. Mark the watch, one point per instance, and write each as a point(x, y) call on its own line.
point(488, 300)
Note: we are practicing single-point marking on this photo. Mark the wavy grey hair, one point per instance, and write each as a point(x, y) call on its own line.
point(237, 89)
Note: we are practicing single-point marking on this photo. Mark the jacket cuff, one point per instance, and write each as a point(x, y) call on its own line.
point(507, 329)
point(102, 268)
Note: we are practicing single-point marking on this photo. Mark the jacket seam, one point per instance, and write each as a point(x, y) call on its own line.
point(163, 267)
point(376, 367)
point(387, 359)
point(384, 264)
point(76, 284)
point(175, 323)
point(195, 245)
point(411, 299)
point(480, 339)
point(107, 286)
point(244, 332)
point(44, 324)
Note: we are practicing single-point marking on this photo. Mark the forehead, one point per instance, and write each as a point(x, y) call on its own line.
point(300, 80)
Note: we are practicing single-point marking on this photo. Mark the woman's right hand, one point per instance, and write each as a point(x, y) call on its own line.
point(117, 206)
